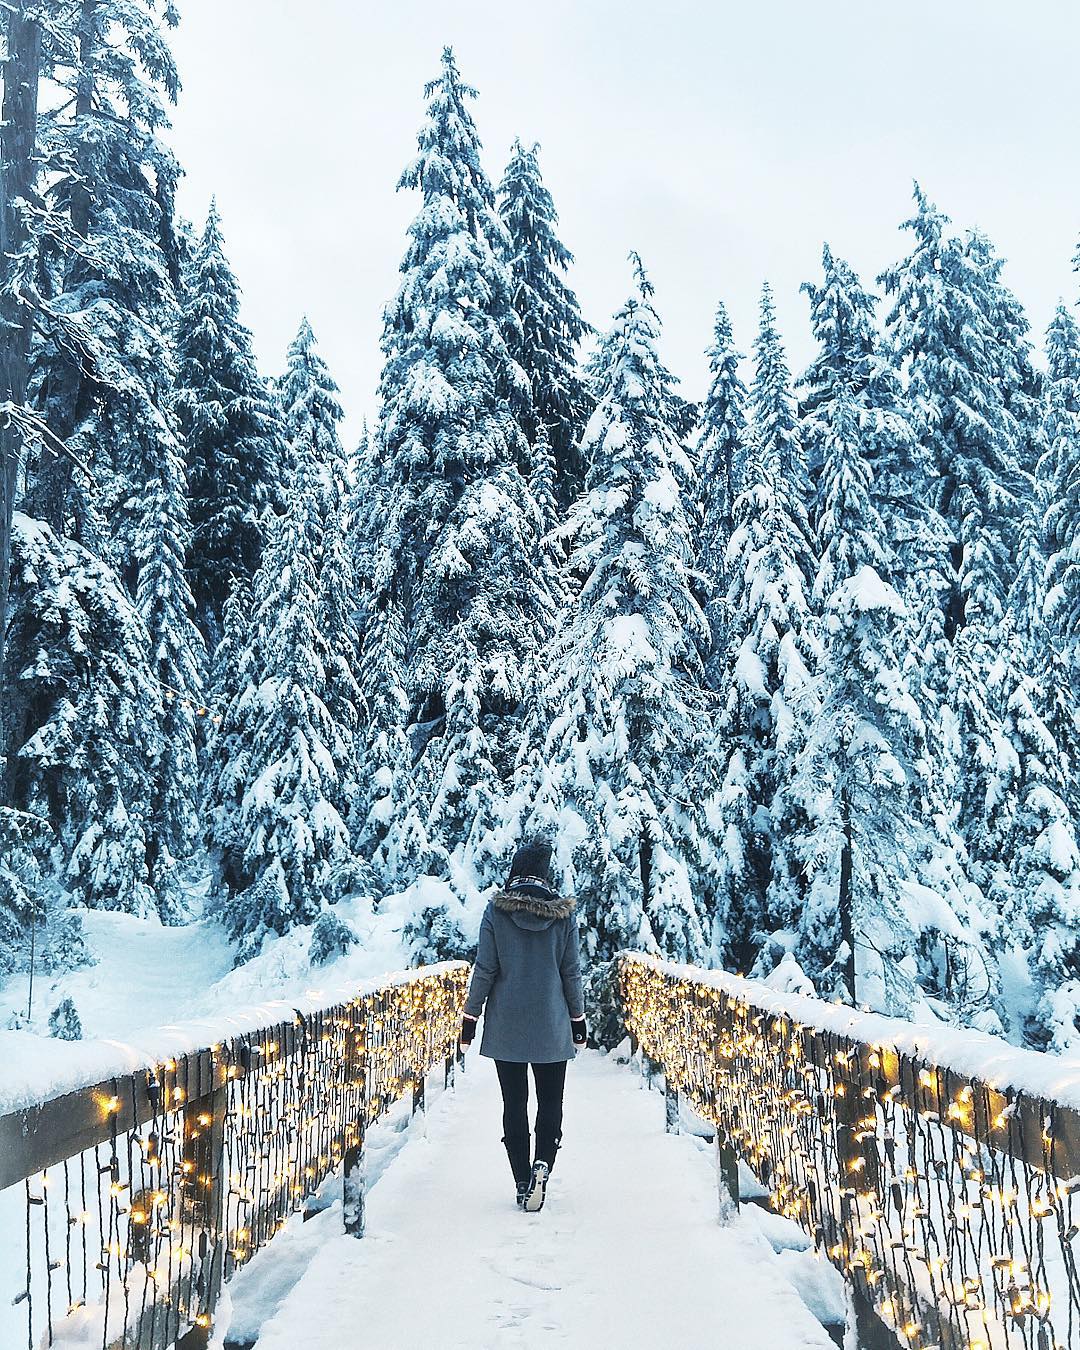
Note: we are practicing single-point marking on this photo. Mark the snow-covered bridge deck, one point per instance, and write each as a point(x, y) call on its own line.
point(626, 1252)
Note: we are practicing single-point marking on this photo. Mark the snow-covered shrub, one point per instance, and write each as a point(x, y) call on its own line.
point(330, 938)
point(65, 1023)
point(64, 947)
point(603, 1011)
point(435, 935)
point(19, 882)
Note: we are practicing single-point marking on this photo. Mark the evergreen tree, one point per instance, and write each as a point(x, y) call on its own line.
point(105, 268)
point(230, 429)
point(721, 451)
point(551, 326)
point(1061, 471)
point(858, 782)
point(384, 758)
point(107, 263)
point(21, 41)
point(851, 362)
point(776, 431)
point(850, 532)
point(312, 415)
point(85, 715)
point(454, 557)
point(1041, 869)
point(855, 782)
point(64, 1021)
point(1018, 380)
point(177, 663)
point(773, 657)
point(292, 752)
point(947, 321)
point(21, 905)
point(625, 669)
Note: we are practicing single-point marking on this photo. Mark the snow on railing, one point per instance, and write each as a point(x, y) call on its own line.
point(937, 1168)
point(144, 1192)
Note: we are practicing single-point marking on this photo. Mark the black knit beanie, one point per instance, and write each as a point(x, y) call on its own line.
point(530, 872)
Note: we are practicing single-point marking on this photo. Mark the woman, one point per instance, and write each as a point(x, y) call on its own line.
point(527, 971)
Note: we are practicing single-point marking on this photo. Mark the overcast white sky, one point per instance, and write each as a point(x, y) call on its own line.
point(723, 141)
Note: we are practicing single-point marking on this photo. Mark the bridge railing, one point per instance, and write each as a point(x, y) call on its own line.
point(938, 1169)
point(143, 1193)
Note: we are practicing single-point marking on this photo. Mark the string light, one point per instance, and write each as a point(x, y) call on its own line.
point(239, 1136)
point(199, 708)
point(890, 1164)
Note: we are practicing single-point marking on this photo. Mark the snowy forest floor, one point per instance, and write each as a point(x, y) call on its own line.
point(146, 976)
point(627, 1250)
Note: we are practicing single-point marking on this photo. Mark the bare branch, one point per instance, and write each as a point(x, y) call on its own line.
point(30, 423)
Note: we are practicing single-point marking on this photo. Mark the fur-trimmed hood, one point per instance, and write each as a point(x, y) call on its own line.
point(558, 907)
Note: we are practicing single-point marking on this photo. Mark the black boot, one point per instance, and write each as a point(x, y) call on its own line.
point(546, 1148)
point(517, 1150)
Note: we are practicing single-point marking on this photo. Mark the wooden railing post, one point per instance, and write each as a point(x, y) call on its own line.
point(727, 1157)
point(355, 1163)
point(353, 1184)
point(671, 1106)
point(727, 1178)
point(204, 1155)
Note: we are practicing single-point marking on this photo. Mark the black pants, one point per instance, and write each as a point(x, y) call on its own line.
point(514, 1081)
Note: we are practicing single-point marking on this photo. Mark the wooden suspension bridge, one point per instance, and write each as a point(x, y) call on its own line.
point(947, 1203)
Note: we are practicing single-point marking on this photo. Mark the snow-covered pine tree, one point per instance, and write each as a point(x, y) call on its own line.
point(455, 559)
point(721, 451)
point(64, 1021)
point(776, 433)
point(384, 757)
point(946, 326)
point(231, 430)
point(842, 321)
point(856, 782)
point(1061, 472)
point(85, 715)
point(960, 340)
point(106, 257)
point(177, 657)
point(551, 327)
point(1039, 864)
point(23, 838)
point(312, 414)
point(289, 756)
point(773, 656)
point(625, 670)
point(1019, 381)
point(852, 358)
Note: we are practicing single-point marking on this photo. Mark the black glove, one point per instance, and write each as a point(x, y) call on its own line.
point(468, 1030)
point(579, 1030)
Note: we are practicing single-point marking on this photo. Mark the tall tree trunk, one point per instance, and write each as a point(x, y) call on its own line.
point(645, 860)
point(847, 917)
point(18, 141)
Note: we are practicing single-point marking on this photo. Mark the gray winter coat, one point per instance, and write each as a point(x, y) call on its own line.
point(528, 972)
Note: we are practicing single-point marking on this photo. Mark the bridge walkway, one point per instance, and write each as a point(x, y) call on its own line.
point(626, 1252)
